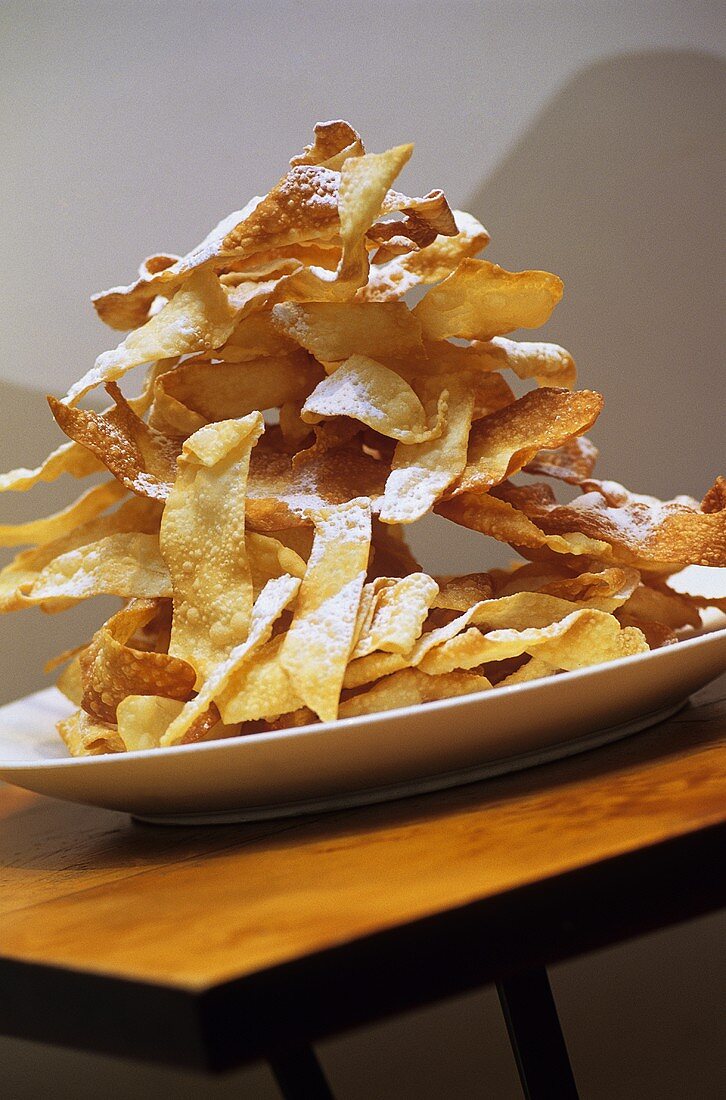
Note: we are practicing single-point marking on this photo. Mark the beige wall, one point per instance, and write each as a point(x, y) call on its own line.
point(589, 139)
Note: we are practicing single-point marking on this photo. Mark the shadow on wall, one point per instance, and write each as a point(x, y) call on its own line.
point(618, 187)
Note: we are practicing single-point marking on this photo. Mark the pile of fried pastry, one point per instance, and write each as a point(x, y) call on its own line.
point(249, 505)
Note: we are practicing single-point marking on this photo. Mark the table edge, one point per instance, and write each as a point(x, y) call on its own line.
point(236, 1021)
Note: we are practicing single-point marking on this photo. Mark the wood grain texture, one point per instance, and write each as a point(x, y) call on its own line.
point(88, 890)
point(49, 849)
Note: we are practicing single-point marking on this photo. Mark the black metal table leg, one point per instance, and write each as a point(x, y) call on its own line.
point(299, 1075)
point(536, 1036)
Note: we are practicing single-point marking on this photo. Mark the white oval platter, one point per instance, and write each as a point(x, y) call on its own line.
point(361, 760)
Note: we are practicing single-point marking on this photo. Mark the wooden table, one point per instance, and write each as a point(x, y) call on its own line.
point(209, 947)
